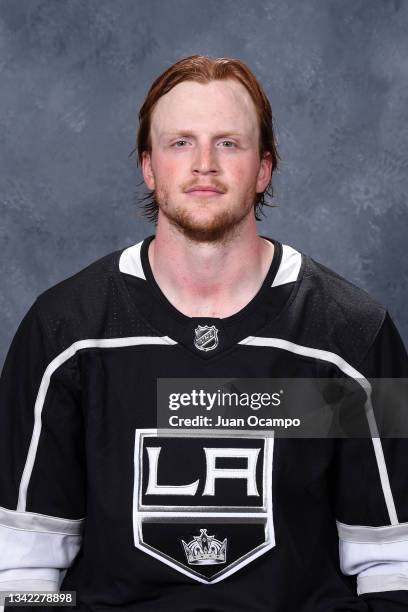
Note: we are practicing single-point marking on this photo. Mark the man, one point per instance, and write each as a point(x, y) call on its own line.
point(96, 500)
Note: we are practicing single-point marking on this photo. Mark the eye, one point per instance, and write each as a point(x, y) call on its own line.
point(177, 143)
point(229, 143)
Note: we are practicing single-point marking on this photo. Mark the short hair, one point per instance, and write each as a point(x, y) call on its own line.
point(204, 69)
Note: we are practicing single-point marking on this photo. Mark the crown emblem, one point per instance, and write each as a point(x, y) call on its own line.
point(206, 337)
point(205, 549)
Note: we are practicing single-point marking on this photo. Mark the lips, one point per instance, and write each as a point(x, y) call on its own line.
point(203, 188)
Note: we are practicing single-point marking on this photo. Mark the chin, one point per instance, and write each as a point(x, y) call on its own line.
point(209, 228)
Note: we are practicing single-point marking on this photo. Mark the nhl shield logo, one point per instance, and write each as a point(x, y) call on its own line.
point(206, 337)
point(210, 516)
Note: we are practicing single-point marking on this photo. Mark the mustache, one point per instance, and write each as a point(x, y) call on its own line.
point(214, 183)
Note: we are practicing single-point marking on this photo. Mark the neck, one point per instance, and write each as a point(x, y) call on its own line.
point(209, 279)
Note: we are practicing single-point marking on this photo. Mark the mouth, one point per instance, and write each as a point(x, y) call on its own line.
point(204, 192)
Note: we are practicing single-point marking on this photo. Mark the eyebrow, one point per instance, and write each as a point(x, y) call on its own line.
point(193, 134)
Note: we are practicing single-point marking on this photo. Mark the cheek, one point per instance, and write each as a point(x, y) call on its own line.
point(165, 169)
point(244, 171)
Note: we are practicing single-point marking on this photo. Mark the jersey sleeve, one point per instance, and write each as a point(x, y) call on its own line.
point(42, 499)
point(371, 482)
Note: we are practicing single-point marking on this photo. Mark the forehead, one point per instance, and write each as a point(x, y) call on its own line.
point(215, 106)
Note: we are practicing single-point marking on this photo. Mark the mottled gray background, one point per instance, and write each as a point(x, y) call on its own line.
point(74, 73)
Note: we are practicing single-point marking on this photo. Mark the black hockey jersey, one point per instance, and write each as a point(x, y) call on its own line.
point(95, 498)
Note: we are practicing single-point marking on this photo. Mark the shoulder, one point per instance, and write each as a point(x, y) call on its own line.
point(85, 304)
point(341, 295)
point(334, 313)
point(83, 283)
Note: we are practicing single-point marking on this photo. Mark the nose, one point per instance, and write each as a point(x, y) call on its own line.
point(205, 160)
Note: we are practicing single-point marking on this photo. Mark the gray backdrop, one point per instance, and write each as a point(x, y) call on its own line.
point(73, 74)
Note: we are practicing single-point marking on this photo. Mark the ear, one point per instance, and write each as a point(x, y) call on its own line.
point(147, 170)
point(265, 172)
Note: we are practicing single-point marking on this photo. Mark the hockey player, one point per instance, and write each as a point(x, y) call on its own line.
point(95, 499)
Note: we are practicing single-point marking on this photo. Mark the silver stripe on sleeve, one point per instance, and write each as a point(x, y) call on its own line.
point(30, 521)
point(372, 535)
point(382, 582)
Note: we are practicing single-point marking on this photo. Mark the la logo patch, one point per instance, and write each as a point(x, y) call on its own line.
point(202, 500)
